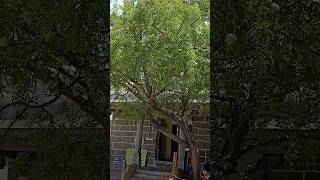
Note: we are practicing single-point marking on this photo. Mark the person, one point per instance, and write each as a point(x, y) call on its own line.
point(206, 171)
point(207, 166)
point(188, 170)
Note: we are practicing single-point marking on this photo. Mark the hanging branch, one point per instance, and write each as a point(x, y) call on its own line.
point(11, 124)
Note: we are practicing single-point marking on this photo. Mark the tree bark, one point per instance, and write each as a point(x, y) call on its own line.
point(181, 153)
point(137, 152)
point(195, 162)
point(188, 136)
point(237, 129)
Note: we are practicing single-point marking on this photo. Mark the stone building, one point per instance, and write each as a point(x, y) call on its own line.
point(159, 147)
point(68, 119)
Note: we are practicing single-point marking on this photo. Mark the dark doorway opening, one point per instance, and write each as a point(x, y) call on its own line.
point(174, 145)
point(166, 146)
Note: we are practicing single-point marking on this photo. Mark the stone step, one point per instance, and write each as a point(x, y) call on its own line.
point(135, 178)
point(158, 168)
point(154, 173)
point(147, 177)
point(163, 163)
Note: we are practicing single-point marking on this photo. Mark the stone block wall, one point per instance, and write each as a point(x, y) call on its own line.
point(201, 133)
point(122, 137)
point(123, 132)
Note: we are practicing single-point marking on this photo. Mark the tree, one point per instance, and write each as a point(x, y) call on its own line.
point(55, 49)
point(160, 54)
point(265, 71)
point(62, 154)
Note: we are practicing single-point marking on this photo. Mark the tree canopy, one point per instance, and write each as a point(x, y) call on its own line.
point(265, 70)
point(55, 48)
point(162, 46)
point(53, 51)
point(160, 54)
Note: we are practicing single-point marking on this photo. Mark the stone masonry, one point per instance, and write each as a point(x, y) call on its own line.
point(123, 132)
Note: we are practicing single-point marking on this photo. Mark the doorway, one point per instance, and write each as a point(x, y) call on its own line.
point(166, 146)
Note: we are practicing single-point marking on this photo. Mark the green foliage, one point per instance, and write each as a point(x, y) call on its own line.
point(58, 47)
point(163, 45)
point(135, 111)
point(273, 63)
point(132, 111)
point(160, 54)
point(265, 72)
point(21, 166)
point(62, 154)
point(51, 43)
point(43, 31)
point(69, 155)
point(303, 152)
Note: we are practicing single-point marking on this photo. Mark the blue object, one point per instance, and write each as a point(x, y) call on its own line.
point(188, 169)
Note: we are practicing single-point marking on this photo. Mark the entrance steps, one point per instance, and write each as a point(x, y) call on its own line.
point(150, 173)
point(163, 165)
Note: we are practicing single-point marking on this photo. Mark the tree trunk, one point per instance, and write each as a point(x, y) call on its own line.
point(107, 150)
point(137, 152)
point(218, 171)
point(181, 153)
point(195, 162)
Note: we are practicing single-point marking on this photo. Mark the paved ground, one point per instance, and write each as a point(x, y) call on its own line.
point(115, 175)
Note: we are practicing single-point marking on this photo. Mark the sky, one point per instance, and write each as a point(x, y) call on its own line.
point(112, 2)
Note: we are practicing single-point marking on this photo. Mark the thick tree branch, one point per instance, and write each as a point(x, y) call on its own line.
point(85, 104)
point(74, 79)
point(46, 103)
point(11, 124)
point(168, 133)
point(52, 124)
point(183, 107)
point(148, 86)
point(135, 93)
point(160, 92)
point(138, 86)
point(8, 105)
point(153, 105)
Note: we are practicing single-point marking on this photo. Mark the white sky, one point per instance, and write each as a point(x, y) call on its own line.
point(112, 2)
point(115, 2)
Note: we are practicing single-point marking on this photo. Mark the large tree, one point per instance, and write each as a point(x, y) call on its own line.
point(160, 54)
point(265, 72)
point(55, 49)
